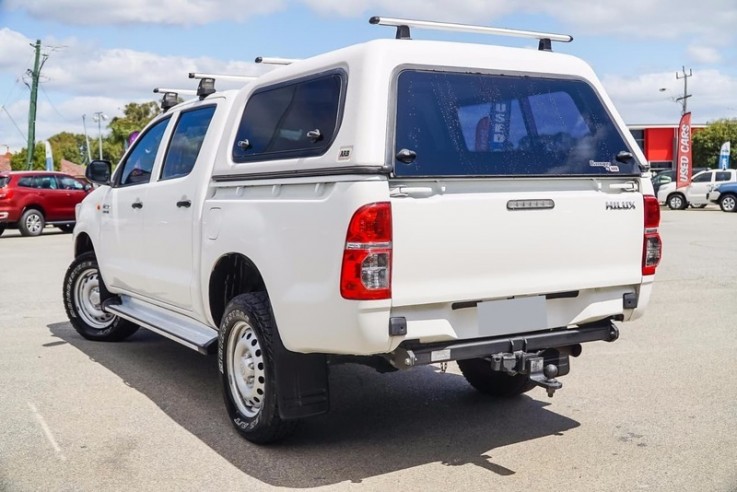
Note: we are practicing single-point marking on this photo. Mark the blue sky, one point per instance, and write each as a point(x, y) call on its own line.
point(105, 53)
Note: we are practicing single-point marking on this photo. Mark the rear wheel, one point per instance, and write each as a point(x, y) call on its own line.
point(2, 229)
point(31, 223)
point(82, 287)
point(728, 203)
point(676, 201)
point(246, 355)
point(478, 373)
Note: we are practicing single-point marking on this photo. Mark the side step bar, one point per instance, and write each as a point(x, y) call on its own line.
point(177, 327)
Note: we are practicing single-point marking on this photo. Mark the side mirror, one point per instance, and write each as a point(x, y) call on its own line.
point(99, 172)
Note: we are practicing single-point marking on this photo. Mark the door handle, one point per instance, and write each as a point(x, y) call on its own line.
point(137, 204)
point(184, 203)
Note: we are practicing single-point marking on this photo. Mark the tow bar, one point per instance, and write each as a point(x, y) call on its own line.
point(533, 364)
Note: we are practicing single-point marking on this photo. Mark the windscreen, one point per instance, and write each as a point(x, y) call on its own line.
point(459, 124)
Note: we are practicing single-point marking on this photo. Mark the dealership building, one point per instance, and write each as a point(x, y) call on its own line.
point(658, 142)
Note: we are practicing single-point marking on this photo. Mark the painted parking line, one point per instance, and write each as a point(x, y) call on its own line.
point(47, 431)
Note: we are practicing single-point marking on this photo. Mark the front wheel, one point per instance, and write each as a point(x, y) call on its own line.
point(246, 360)
point(82, 302)
point(478, 373)
point(31, 223)
point(2, 229)
point(677, 202)
point(728, 203)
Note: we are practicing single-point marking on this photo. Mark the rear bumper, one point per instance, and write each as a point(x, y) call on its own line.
point(413, 354)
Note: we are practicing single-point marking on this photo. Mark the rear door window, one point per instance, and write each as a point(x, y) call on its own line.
point(186, 142)
point(723, 176)
point(294, 120)
point(68, 183)
point(4, 181)
point(458, 124)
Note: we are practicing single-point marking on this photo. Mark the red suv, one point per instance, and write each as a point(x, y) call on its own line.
point(31, 199)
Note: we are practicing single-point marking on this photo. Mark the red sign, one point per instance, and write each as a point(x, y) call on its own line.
point(683, 156)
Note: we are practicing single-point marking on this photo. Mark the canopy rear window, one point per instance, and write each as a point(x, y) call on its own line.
point(461, 124)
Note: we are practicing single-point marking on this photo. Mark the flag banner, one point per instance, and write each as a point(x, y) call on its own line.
point(724, 156)
point(683, 156)
point(49, 156)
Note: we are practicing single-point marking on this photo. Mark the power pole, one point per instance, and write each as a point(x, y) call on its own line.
point(32, 107)
point(684, 99)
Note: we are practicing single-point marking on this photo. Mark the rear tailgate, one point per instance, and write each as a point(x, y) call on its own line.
point(483, 239)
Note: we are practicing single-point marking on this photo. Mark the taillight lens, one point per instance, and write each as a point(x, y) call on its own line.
point(652, 247)
point(652, 212)
point(367, 257)
point(6, 194)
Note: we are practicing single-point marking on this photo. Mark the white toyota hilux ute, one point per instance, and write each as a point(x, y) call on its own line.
point(395, 203)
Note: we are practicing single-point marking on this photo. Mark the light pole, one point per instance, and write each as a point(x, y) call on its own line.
point(98, 117)
point(86, 138)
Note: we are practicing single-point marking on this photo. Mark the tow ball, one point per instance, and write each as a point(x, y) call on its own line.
point(533, 364)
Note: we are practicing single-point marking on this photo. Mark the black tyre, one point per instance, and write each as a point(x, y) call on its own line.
point(478, 373)
point(728, 202)
point(66, 228)
point(82, 286)
point(246, 360)
point(31, 223)
point(676, 201)
point(2, 229)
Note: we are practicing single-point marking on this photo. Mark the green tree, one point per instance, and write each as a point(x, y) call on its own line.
point(135, 117)
point(67, 146)
point(18, 160)
point(708, 142)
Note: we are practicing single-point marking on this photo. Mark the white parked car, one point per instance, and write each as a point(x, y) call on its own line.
point(695, 194)
point(396, 203)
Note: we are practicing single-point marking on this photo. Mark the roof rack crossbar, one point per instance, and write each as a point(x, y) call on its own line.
point(403, 30)
point(267, 60)
point(243, 78)
point(185, 92)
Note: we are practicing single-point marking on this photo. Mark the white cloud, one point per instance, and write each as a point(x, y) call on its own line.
point(638, 99)
point(664, 19)
point(704, 54)
point(114, 78)
point(165, 12)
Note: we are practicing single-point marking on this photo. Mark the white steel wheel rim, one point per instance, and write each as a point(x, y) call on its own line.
point(33, 223)
point(246, 369)
point(87, 300)
point(729, 203)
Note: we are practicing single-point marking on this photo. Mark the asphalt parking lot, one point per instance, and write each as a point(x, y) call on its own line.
point(655, 410)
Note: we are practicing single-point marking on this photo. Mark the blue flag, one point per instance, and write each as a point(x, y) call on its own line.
point(724, 156)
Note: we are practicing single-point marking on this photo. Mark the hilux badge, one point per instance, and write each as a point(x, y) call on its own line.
point(620, 205)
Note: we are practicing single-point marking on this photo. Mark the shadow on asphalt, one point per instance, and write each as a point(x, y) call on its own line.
point(378, 424)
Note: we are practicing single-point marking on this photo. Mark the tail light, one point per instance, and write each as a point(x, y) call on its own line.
point(367, 257)
point(652, 246)
point(6, 194)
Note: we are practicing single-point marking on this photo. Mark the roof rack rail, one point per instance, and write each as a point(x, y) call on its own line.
point(244, 78)
point(403, 25)
point(186, 92)
point(169, 100)
point(275, 61)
